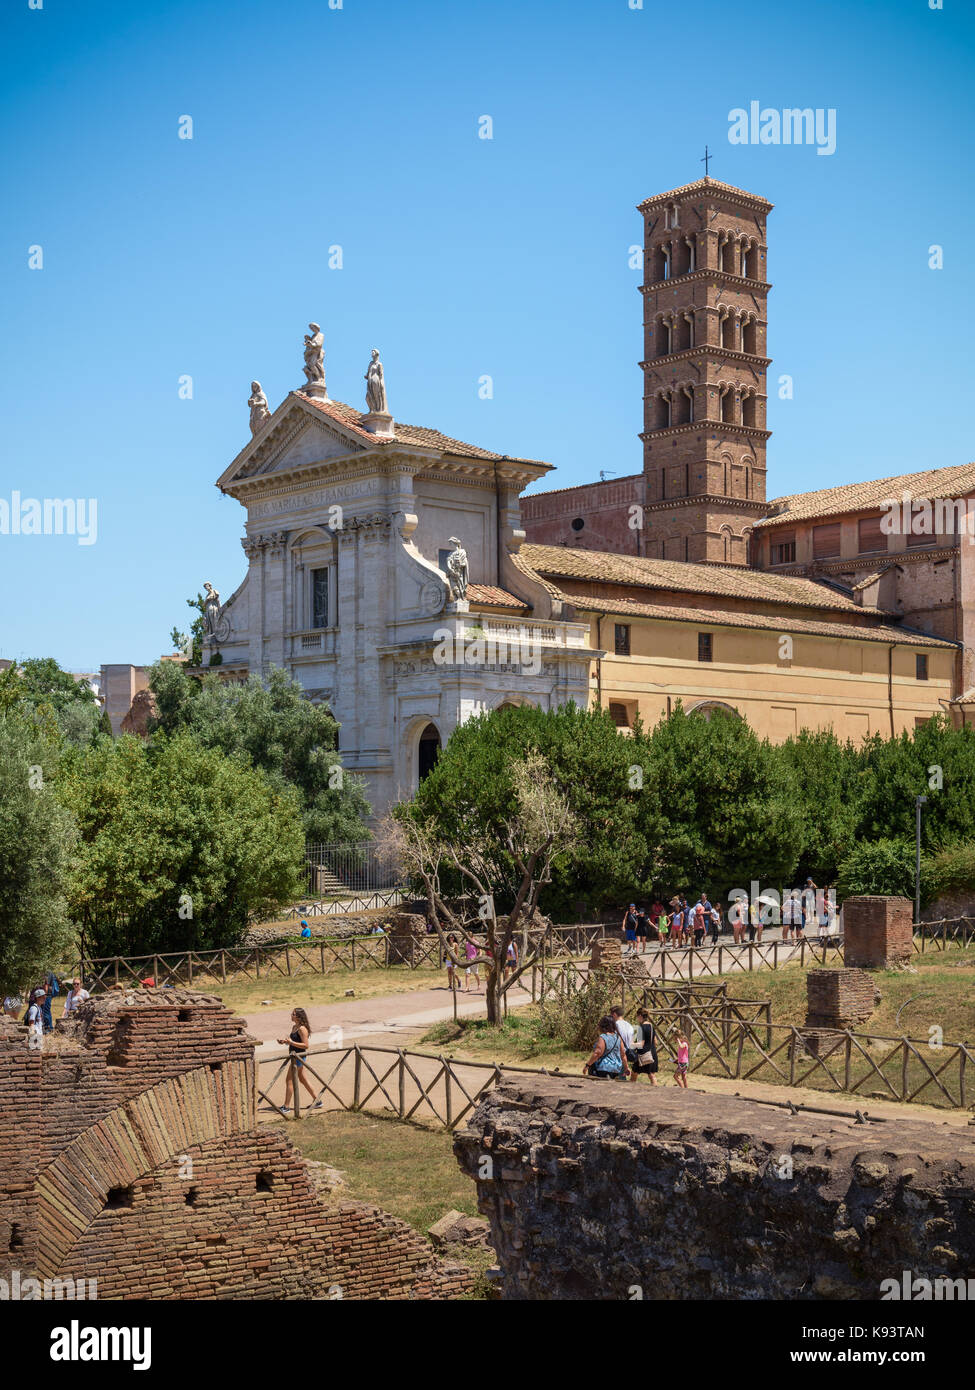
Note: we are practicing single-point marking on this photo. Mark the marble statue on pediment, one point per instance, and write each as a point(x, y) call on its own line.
point(376, 386)
point(259, 408)
point(315, 356)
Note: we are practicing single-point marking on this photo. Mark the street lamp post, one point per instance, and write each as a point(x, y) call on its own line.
point(919, 801)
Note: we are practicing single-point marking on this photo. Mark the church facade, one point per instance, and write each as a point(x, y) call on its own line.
point(400, 575)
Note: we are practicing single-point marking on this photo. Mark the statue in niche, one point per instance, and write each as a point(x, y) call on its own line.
point(458, 574)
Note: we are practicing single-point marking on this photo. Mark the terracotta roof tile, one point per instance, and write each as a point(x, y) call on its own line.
point(490, 594)
point(701, 186)
point(881, 632)
point(351, 418)
point(855, 497)
point(561, 562)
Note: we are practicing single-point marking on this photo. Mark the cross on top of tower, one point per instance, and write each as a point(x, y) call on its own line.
point(708, 156)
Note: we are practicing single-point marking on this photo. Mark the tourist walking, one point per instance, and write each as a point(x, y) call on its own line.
point(683, 1059)
point(450, 961)
point(473, 969)
point(645, 1061)
point(624, 1029)
point(642, 930)
point(629, 925)
point(676, 922)
point(511, 958)
point(713, 918)
point(297, 1043)
point(606, 1058)
point(700, 921)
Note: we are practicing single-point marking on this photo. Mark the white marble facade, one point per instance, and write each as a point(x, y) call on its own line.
point(347, 531)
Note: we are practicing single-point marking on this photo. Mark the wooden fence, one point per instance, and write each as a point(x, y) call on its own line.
point(901, 1069)
point(313, 956)
point(410, 1085)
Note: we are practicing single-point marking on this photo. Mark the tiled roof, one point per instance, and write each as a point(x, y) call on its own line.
point(579, 487)
point(561, 562)
point(701, 186)
point(350, 418)
point(870, 579)
point(703, 618)
point(855, 497)
point(498, 598)
point(967, 699)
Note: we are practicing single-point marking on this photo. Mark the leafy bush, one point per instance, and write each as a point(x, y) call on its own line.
point(574, 1022)
point(880, 866)
point(949, 871)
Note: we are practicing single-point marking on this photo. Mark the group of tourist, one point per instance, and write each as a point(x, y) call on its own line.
point(469, 953)
point(680, 923)
point(623, 1052)
point(37, 1012)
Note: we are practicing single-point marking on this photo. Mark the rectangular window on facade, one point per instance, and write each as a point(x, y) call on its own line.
point(782, 548)
point(921, 666)
point(704, 646)
point(622, 639)
point(319, 598)
point(869, 535)
point(826, 540)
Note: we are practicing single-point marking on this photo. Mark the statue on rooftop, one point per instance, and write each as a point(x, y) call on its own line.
point(458, 574)
point(376, 386)
point(259, 409)
point(315, 356)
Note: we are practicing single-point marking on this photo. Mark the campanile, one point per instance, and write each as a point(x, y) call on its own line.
point(705, 291)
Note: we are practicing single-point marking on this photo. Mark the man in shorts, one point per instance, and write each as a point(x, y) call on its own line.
point(629, 927)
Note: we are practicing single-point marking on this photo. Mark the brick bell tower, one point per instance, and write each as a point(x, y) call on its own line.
point(704, 314)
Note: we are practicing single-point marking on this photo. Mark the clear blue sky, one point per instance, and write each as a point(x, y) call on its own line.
point(462, 257)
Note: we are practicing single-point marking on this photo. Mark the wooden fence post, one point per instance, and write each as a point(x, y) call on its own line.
point(446, 1077)
point(402, 1084)
point(357, 1085)
point(223, 966)
point(904, 1058)
point(847, 1061)
point(296, 1088)
point(741, 1048)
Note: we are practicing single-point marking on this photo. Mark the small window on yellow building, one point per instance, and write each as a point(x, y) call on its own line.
point(620, 715)
point(921, 666)
point(704, 646)
point(622, 639)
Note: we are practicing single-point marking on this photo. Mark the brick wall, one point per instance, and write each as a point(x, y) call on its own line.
point(838, 998)
point(877, 932)
point(130, 1153)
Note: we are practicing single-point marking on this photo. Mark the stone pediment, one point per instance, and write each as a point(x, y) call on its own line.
point(294, 436)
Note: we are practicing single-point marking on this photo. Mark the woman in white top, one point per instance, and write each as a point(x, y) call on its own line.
point(76, 996)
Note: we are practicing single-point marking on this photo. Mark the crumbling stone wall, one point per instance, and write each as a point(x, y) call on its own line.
point(130, 1153)
point(838, 998)
point(595, 1188)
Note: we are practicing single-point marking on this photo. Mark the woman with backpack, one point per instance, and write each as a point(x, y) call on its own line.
point(645, 1061)
point(607, 1058)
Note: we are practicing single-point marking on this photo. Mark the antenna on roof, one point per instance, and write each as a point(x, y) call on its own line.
point(605, 473)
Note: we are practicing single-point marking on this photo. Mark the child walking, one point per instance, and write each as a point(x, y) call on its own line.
point(683, 1059)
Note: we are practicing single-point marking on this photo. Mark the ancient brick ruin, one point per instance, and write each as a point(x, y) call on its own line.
point(130, 1153)
point(877, 932)
point(597, 1189)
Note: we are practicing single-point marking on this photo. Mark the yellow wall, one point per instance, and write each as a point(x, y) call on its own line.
point(833, 683)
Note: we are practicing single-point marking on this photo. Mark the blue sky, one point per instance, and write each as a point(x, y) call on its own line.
point(357, 126)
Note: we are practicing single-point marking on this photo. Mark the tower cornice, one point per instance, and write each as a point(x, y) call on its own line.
point(706, 186)
point(733, 281)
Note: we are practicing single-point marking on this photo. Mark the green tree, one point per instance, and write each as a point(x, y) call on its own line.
point(181, 845)
point(469, 795)
point(41, 689)
point(719, 809)
point(824, 776)
point(191, 643)
point(278, 730)
point(37, 838)
point(934, 760)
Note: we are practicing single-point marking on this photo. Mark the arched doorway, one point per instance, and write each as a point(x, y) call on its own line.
point(428, 751)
